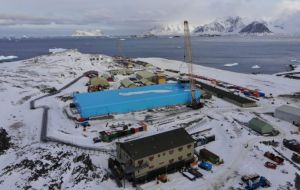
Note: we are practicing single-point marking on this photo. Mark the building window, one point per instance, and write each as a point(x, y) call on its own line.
point(171, 151)
point(151, 158)
point(180, 149)
point(164, 154)
point(180, 158)
point(158, 155)
point(189, 146)
point(189, 154)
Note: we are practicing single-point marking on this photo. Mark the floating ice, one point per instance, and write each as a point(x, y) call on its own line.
point(4, 58)
point(255, 67)
point(231, 64)
point(57, 50)
point(295, 60)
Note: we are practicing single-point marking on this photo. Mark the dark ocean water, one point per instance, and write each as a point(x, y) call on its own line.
point(272, 54)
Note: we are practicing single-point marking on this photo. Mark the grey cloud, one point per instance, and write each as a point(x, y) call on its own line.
point(133, 15)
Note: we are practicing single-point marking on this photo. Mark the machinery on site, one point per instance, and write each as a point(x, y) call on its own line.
point(259, 182)
point(195, 104)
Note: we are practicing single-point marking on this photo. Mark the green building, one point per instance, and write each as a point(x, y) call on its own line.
point(146, 82)
point(127, 83)
point(99, 81)
point(260, 126)
point(145, 75)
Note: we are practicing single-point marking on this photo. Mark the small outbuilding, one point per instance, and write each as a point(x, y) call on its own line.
point(145, 75)
point(209, 156)
point(99, 81)
point(288, 113)
point(260, 126)
point(161, 78)
point(146, 82)
point(127, 83)
point(126, 71)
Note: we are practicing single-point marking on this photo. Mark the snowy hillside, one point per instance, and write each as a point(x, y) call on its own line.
point(221, 26)
point(71, 160)
point(79, 33)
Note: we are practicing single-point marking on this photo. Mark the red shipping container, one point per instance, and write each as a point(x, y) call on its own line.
point(136, 130)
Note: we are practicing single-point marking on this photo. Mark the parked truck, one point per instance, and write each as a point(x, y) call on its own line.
point(274, 158)
point(293, 145)
point(203, 139)
point(207, 155)
point(108, 136)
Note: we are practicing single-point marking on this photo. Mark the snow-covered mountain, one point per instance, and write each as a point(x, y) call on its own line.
point(167, 29)
point(88, 33)
point(220, 26)
point(255, 28)
point(286, 24)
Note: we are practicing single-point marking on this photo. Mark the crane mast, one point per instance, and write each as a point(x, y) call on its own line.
point(188, 60)
point(120, 48)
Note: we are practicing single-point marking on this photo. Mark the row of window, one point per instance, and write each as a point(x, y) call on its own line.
point(170, 152)
point(151, 158)
point(140, 162)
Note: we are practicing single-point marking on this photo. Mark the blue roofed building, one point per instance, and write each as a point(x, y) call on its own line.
point(132, 99)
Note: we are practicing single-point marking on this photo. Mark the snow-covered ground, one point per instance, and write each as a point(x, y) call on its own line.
point(263, 82)
point(30, 164)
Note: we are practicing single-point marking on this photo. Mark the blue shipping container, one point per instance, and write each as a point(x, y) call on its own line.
point(205, 165)
point(132, 99)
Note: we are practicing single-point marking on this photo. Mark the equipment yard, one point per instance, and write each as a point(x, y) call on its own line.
point(145, 123)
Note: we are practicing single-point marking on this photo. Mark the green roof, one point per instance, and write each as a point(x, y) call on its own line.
point(126, 71)
point(260, 126)
point(127, 83)
point(145, 74)
point(147, 82)
point(154, 144)
point(99, 81)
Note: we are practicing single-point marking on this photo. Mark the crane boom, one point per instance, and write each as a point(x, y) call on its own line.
point(188, 60)
point(120, 48)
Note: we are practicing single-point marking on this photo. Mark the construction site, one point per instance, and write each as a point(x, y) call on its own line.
point(145, 148)
point(158, 124)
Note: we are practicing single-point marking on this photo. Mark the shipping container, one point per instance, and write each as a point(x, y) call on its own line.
point(209, 156)
point(261, 94)
point(205, 165)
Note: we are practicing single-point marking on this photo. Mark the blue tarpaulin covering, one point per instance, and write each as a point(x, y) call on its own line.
point(132, 99)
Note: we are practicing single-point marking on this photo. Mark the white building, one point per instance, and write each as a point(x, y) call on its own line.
point(288, 113)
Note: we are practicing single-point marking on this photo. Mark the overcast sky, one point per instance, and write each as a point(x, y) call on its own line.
point(62, 17)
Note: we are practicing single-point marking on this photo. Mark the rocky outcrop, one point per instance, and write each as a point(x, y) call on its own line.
point(255, 28)
point(4, 141)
